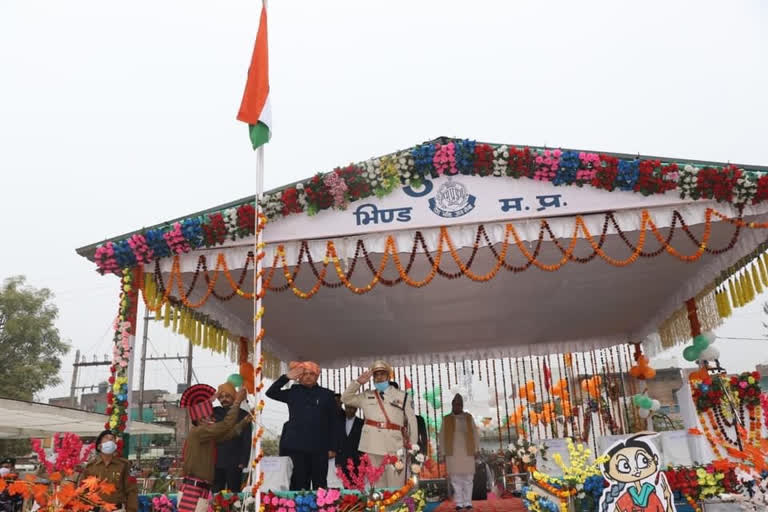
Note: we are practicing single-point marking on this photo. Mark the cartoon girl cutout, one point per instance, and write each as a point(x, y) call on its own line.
point(633, 472)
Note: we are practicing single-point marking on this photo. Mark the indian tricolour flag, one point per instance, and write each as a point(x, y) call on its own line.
point(255, 109)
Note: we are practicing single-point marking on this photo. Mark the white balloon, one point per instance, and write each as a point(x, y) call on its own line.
point(643, 413)
point(656, 405)
point(710, 337)
point(710, 353)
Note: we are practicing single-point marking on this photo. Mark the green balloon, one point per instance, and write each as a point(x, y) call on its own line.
point(646, 402)
point(700, 342)
point(691, 353)
point(235, 379)
point(637, 399)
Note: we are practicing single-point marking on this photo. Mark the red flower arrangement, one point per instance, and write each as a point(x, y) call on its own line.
point(290, 197)
point(215, 230)
point(762, 189)
point(521, 162)
point(708, 394)
point(246, 219)
point(606, 174)
point(483, 160)
point(357, 186)
point(747, 387)
point(717, 184)
point(224, 503)
point(653, 178)
point(319, 197)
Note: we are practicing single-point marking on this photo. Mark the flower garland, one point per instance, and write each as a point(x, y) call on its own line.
point(291, 269)
point(380, 176)
point(124, 327)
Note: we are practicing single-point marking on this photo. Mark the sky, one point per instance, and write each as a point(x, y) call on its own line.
point(117, 116)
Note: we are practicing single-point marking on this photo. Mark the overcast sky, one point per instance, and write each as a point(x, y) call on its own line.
point(117, 116)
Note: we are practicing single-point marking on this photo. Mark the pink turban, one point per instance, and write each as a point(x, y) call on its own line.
point(307, 366)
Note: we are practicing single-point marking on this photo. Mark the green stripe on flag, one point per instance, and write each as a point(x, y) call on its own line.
point(259, 133)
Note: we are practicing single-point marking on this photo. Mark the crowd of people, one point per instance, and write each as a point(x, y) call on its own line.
point(324, 426)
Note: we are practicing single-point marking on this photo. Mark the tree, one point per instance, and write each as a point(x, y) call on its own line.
point(30, 346)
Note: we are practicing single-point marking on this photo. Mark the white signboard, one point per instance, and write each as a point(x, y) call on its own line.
point(460, 200)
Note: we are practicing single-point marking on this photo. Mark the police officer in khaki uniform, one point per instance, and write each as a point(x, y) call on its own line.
point(388, 413)
point(115, 470)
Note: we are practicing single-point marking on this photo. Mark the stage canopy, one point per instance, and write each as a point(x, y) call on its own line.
point(460, 250)
point(23, 420)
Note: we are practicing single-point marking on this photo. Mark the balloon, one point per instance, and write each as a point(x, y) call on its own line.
point(246, 372)
point(656, 405)
point(433, 397)
point(691, 353)
point(710, 337)
point(700, 342)
point(643, 413)
point(710, 353)
point(235, 379)
point(649, 373)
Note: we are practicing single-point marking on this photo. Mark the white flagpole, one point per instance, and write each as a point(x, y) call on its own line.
point(257, 305)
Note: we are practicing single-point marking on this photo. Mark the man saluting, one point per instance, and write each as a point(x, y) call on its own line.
point(390, 422)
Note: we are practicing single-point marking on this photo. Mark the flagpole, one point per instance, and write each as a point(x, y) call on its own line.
point(255, 459)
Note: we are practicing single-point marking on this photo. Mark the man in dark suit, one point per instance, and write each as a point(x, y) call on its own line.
point(232, 455)
point(351, 428)
point(310, 434)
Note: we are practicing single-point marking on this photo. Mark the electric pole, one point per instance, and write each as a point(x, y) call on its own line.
point(74, 379)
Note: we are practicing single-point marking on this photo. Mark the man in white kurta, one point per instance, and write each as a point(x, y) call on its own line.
point(460, 441)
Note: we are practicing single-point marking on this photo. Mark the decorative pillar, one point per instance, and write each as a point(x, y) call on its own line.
point(119, 392)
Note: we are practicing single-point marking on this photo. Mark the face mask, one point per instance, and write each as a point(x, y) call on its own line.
point(108, 447)
point(381, 386)
point(4, 471)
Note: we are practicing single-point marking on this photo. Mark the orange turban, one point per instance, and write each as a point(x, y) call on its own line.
point(308, 366)
point(227, 387)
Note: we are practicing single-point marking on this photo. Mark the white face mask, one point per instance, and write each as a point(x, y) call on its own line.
point(4, 471)
point(108, 447)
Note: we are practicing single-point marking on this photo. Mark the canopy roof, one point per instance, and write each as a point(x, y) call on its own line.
point(476, 251)
point(22, 420)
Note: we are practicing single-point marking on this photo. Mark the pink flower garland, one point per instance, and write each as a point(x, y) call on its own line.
point(142, 251)
point(338, 189)
point(590, 163)
point(175, 240)
point(445, 159)
point(547, 165)
point(764, 405)
point(105, 258)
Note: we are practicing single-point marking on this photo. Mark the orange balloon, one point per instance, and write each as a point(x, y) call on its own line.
point(534, 417)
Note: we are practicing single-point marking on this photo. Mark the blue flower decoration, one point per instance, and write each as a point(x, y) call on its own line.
point(193, 232)
point(422, 159)
point(464, 151)
point(627, 175)
point(124, 254)
point(569, 166)
point(156, 241)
